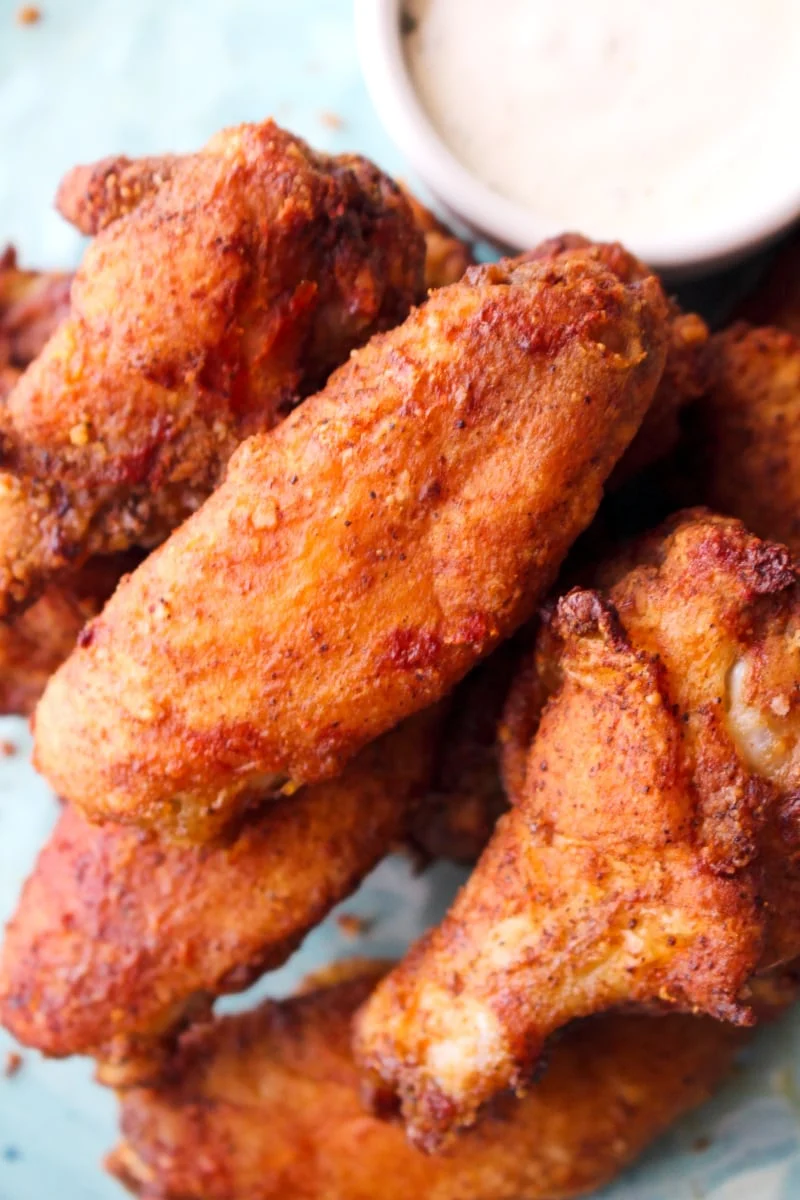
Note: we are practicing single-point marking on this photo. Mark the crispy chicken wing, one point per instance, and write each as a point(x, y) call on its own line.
point(91, 197)
point(359, 559)
point(653, 856)
point(118, 939)
point(265, 1106)
point(220, 299)
point(743, 437)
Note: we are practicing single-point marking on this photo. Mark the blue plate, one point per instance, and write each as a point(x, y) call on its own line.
point(95, 76)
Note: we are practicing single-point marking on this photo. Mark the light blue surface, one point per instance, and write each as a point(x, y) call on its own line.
point(97, 76)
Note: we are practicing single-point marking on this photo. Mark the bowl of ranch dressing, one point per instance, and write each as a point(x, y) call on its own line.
point(666, 124)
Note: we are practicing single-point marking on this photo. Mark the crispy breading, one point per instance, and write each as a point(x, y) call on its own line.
point(743, 437)
point(91, 197)
point(446, 256)
point(652, 858)
point(265, 1106)
point(32, 304)
point(686, 372)
point(358, 560)
point(118, 939)
point(219, 301)
point(776, 300)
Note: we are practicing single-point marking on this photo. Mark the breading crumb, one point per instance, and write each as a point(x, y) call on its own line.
point(331, 120)
point(13, 1064)
point(7, 749)
point(29, 14)
point(353, 926)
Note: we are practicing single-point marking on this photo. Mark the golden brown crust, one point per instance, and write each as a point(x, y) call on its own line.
point(32, 304)
point(91, 197)
point(651, 857)
point(743, 437)
point(265, 1106)
point(202, 315)
point(359, 559)
point(686, 372)
point(118, 939)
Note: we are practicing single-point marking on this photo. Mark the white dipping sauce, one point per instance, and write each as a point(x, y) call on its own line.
point(619, 118)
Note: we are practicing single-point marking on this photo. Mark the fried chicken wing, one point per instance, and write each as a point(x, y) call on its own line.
point(91, 197)
point(266, 1105)
point(219, 300)
point(652, 858)
point(359, 559)
point(118, 939)
point(743, 437)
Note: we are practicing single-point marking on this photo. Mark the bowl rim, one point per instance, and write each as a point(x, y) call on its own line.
point(504, 221)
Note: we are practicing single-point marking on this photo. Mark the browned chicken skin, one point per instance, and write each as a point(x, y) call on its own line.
point(359, 559)
point(686, 371)
point(91, 197)
point(32, 303)
point(118, 939)
point(265, 1106)
point(651, 857)
point(743, 437)
point(219, 300)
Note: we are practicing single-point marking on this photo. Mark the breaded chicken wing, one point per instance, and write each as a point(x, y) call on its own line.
point(653, 857)
point(223, 297)
point(265, 1106)
point(91, 197)
point(359, 559)
point(118, 940)
point(743, 437)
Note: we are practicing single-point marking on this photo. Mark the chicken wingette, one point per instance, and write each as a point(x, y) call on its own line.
point(652, 856)
point(266, 1106)
point(358, 560)
point(225, 295)
point(119, 940)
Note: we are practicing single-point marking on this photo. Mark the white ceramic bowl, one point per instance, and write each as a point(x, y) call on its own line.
point(511, 225)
